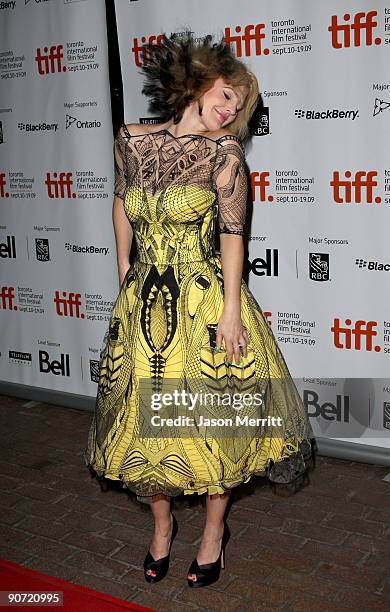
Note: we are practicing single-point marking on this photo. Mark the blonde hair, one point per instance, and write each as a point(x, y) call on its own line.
point(180, 69)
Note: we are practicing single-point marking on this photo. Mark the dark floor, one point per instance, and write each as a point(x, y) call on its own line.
point(327, 548)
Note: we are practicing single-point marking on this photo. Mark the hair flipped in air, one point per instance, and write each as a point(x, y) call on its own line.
point(179, 69)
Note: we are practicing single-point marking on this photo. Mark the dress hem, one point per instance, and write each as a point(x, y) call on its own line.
point(301, 461)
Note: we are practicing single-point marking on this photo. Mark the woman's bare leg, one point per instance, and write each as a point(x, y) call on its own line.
point(210, 545)
point(161, 510)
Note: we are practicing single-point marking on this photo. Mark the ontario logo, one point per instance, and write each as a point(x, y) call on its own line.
point(330, 113)
point(380, 106)
point(86, 125)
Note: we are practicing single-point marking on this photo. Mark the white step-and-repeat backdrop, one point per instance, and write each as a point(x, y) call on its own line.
point(318, 256)
point(318, 252)
point(57, 247)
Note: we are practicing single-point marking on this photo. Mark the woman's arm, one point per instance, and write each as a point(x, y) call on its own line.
point(232, 189)
point(123, 237)
point(230, 325)
point(122, 227)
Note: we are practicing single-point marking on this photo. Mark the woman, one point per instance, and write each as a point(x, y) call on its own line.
point(184, 318)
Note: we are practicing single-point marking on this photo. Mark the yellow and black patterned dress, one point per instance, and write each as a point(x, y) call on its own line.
point(177, 193)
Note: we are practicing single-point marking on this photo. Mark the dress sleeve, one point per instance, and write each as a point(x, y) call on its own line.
point(231, 184)
point(120, 149)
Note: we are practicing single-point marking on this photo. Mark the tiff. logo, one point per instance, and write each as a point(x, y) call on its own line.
point(59, 185)
point(355, 188)
point(50, 60)
point(249, 41)
point(343, 34)
point(351, 335)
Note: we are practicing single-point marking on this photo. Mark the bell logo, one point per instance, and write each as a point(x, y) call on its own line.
point(249, 41)
point(49, 62)
point(58, 368)
point(350, 32)
point(8, 249)
point(59, 185)
point(269, 266)
point(328, 411)
point(350, 336)
point(7, 295)
point(259, 184)
point(68, 305)
point(355, 188)
point(3, 192)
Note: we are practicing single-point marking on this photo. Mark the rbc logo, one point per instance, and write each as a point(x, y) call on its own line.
point(386, 415)
point(94, 370)
point(42, 249)
point(319, 266)
point(259, 123)
point(342, 34)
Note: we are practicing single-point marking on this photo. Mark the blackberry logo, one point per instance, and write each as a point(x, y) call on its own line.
point(42, 249)
point(386, 415)
point(319, 266)
point(380, 106)
point(77, 248)
point(361, 263)
point(330, 113)
point(372, 265)
point(37, 127)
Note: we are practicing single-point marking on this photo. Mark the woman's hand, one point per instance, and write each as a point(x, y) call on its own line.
point(235, 336)
point(122, 271)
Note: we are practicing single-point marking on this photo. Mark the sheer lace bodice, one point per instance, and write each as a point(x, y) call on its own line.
point(177, 190)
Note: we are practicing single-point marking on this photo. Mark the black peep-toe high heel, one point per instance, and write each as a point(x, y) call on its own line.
point(209, 572)
point(160, 566)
